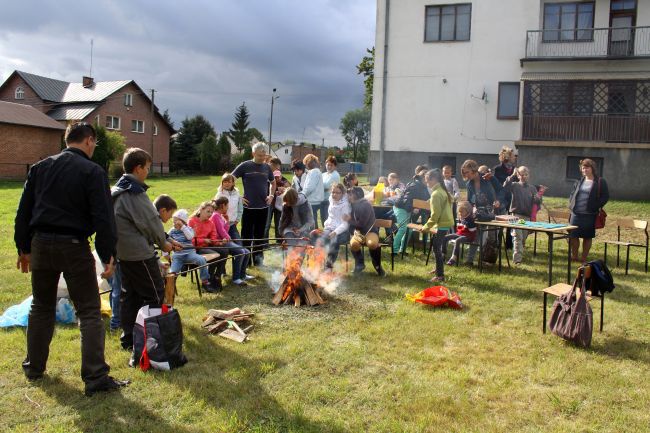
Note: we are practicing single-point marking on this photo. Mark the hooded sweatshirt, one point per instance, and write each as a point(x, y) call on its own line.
point(138, 223)
point(335, 212)
point(299, 216)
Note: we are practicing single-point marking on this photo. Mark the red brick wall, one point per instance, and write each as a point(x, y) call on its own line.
point(23, 145)
point(299, 152)
point(141, 110)
point(8, 93)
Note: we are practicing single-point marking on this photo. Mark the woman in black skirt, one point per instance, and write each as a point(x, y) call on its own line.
point(589, 195)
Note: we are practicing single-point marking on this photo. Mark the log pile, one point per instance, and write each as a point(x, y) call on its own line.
point(232, 324)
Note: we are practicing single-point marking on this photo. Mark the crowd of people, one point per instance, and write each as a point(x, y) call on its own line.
point(65, 201)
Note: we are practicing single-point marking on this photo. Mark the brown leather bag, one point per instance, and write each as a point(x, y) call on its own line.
point(571, 317)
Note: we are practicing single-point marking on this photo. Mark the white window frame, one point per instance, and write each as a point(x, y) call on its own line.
point(135, 126)
point(19, 93)
point(155, 129)
point(110, 122)
point(128, 100)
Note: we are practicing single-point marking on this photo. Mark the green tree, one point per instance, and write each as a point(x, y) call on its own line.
point(255, 133)
point(209, 154)
point(185, 152)
point(355, 128)
point(110, 146)
point(367, 69)
point(239, 131)
point(167, 117)
point(223, 150)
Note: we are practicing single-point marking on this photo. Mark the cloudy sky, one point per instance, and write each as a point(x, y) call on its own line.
point(206, 56)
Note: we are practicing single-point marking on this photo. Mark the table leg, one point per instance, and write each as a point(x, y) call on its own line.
point(480, 249)
point(550, 259)
point(544, 316)
point(501, 240)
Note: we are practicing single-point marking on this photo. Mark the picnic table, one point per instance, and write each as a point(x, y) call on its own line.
point(552, 230)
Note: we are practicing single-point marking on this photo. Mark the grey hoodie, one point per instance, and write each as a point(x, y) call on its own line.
point(138, 223)
point(302, 217)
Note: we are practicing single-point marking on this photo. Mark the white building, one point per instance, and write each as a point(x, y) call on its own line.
point(560, 80)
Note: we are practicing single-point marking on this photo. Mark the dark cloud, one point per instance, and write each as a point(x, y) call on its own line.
point(206, 56)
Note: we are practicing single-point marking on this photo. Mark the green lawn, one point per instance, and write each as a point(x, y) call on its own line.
point(366, 361)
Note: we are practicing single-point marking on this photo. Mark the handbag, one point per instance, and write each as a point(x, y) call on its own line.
point(601, 218)
point(158, 339)
point(571, 316)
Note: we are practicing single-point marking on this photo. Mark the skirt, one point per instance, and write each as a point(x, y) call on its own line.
point(586, 226)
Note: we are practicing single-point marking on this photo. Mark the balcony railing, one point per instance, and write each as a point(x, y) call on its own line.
point(601, 127)
point(597, 43)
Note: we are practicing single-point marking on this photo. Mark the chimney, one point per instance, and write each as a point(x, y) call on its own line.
point(88, 82)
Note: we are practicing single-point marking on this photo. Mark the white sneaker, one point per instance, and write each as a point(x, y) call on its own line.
point(249, 277)
point(239, 282)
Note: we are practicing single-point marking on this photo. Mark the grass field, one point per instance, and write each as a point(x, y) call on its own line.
point(366, 361)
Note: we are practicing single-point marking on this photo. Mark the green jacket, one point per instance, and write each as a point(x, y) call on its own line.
point(441, 215)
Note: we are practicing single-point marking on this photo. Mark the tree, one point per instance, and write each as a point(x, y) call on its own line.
point(256, 134)
point(167, 117)
point(367, 69)
point(355, 128)
point(110, 146)
point(209, 154)
point(184, 153)
point(223, 150)
point(239, 131)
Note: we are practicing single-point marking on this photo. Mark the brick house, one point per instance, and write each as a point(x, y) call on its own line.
point(117, 105)
point(26, 136)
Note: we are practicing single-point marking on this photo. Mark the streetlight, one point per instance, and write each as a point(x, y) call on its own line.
point(273, 98)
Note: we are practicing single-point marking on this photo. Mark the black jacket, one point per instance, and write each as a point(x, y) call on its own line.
point(597, 199)
point(416, 189)
point(67, 194)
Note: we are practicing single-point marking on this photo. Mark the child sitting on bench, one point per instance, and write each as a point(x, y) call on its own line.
point(465, 231)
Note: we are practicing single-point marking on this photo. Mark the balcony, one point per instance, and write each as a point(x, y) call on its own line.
point(610, 43)
point(601, 128)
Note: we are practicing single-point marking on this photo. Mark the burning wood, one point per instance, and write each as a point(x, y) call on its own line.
point(296, 289)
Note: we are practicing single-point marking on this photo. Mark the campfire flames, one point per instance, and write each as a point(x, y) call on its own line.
point(305, 280)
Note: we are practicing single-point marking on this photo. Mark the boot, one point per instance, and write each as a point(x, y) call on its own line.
point(359, 264)
point(214, 285)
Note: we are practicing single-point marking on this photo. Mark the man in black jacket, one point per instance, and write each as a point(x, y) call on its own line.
point(65, 200)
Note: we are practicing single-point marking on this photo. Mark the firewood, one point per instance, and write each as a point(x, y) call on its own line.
point(208, 321)
point(217, 327)
point(231, 334)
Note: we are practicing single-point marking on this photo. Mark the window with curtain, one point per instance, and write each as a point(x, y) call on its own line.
point(508, 106)
point(447, 23)
point(568, 22)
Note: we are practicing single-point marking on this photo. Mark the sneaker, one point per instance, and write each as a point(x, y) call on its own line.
point(107, 384)
point(451, 262)
point(437, 279)
point(248, 277)
point(239, 282)
point(381, 272)
point(359, 268)
point(214, 286)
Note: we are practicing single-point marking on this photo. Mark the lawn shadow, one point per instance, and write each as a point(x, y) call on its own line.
point(228, 381)
point(618, 347)
point(107, 411)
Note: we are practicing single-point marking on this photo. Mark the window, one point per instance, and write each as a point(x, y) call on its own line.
point(568, 22)
point(447, 23)
point(155, 129)
point(20, 93)
point(137, 126)
point(128, 100)
point(112, 122)
point(622, 5)
point(286, 151)
point(508, 106)
point(573, 166)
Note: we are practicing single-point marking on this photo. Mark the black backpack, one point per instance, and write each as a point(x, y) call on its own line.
point(601, 280)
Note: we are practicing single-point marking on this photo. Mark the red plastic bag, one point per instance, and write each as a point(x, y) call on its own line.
point(437, 296)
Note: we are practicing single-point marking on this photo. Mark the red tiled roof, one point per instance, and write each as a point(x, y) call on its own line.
point(20, 114)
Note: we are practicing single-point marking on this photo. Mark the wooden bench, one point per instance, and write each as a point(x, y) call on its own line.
point(630, 224)
point(558, 290)
point(191, 268)
point(388, 241)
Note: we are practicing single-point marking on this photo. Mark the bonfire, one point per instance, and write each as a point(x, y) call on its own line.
point(304, 280)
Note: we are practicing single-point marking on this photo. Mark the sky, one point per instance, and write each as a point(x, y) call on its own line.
point(206, 56)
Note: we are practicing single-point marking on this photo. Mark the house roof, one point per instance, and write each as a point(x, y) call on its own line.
point(50, 89)
point(20, 114)
point(72, 111)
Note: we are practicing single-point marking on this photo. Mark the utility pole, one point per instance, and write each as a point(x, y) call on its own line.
point(153, 94)
point(273, 98)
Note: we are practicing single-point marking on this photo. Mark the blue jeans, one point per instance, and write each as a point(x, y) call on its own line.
point(239, 261)
point(178, 260)
point(116, 292)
